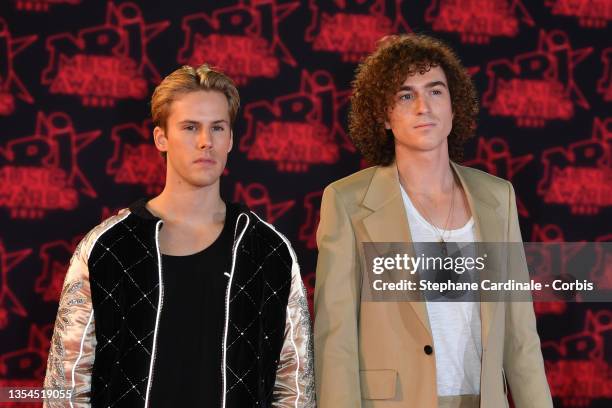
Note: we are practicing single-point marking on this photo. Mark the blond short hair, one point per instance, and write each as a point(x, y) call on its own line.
point(189, 79)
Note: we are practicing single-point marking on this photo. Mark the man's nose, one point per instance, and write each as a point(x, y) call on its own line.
point(204, 139)
point(422, 104)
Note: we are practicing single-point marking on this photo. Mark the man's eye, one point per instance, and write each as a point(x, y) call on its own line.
point(405, 96)
point(437, 92)
point(190, 128)
point(218, 128)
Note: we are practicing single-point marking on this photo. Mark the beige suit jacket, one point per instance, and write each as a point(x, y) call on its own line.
point(371, 354)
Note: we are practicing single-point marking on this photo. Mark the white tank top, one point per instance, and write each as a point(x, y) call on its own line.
point(455, 326)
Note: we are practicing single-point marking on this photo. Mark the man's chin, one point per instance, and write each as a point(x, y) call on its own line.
point(202, 182)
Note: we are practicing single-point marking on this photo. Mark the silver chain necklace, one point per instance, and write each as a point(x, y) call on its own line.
point(441, 242)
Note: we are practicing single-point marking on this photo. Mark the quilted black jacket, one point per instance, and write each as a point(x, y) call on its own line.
point(104, 342)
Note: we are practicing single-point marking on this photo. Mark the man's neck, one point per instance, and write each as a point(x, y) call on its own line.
point(189, 205)
point(426, 173)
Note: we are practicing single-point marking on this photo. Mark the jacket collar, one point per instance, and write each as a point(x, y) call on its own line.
point(384, 187)
point(139, 208)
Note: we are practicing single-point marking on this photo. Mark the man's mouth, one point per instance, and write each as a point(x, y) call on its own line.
point(205, 160)
point(425, 125)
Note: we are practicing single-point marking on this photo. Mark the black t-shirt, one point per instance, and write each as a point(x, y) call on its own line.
point(187, 370)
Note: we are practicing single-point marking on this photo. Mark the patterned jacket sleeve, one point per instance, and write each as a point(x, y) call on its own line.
point(294, 386)
point(73, 344)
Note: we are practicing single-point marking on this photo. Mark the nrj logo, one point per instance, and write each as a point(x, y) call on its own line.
point(603, 278)
point(242, 40)
point(581, 358)
point(493, 156)
point(257, 197)
point(104, 63)
point(10, 84)
point(351, 28)
point(604, 85)
point(55, 257)
point(537, 86)
point(25, 367)
point(40, 173)
point(42, 5)
point(478, 20)
point(579, 176)
point(135, 159)
point(299, 129)
point(549, 308)
point(308, 230)
point(590, 13)
point(547, 233)
point(9, 304)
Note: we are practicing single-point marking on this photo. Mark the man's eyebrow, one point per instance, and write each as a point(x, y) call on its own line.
point(188, 122)
point(195, 122)
point(427, 85)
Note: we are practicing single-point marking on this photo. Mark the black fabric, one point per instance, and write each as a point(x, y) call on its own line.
point(124, 285)
point(188, 366)
point(258, 305)
point(123, 277)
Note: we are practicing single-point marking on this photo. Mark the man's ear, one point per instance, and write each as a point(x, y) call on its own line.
point(161, 141)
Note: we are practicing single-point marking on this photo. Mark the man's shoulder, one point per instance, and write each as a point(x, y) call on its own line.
point(481, 175)
point(265, 246)
point(494, 184)
point(96, 233)
point(264, 232)
point(354, 184)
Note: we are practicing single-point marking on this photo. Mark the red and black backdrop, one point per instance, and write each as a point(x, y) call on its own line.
point(75, 139)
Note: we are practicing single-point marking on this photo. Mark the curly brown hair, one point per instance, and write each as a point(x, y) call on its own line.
point(382, 73)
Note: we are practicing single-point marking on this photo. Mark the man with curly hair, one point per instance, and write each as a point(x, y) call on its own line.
point(413, 107)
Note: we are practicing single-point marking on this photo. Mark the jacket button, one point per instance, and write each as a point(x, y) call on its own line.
point(428, 349)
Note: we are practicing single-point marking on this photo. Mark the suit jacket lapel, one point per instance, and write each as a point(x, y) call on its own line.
point(388, 222)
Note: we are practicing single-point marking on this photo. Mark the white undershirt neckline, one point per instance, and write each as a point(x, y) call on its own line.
point(455, 326)
point(446, 233)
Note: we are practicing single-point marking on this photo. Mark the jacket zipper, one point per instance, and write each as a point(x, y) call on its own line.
point(160, 302)
point(227, 297)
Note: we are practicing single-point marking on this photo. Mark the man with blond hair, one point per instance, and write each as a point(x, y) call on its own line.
point(184, 299)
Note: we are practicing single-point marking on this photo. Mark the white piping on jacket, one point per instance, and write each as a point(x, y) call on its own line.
point(118, 218)
point(297, 266)
point(159, 306)
point(297, 370)
point(227, 300)
point(80, 352)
